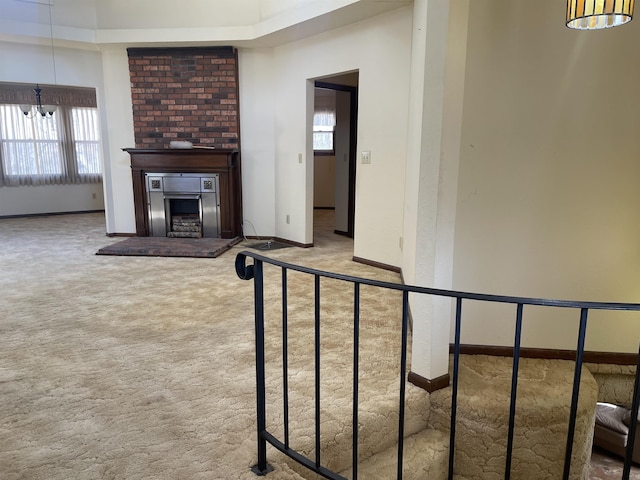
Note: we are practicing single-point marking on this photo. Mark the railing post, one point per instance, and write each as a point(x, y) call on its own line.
point(403, 380)
point(582, 332)
point(285, 358)
point(514, 390)
point(317, 368)
point(454, 387)
point(356, 377)
point(262, 467)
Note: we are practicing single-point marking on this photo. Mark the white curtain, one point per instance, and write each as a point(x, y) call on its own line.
point(324, 112)
point(324, 119)
point(58, 149)
point(86, 140)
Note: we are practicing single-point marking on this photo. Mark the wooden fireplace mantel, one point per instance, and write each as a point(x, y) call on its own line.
point(224, 162)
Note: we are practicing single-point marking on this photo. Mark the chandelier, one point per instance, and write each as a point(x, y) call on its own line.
point(598, 14)
point(43, 110)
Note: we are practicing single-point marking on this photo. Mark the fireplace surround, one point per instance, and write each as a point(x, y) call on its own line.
point(183, 205)
point(214, 173)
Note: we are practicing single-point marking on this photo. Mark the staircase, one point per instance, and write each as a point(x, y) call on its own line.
point(425, 449)
point(542, 413)
point(535, 425)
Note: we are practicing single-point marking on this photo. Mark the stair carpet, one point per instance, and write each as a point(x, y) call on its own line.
point(544, 397)
point(425, 451)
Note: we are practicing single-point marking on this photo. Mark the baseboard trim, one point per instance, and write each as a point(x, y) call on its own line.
point(295, 244)
point(612, 358)
point(51, 214)
point(280, 240)
point(371, 263)
point(121, 235)
point(430, 385)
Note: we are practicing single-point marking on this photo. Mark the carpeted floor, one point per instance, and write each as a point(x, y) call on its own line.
point(126, 367)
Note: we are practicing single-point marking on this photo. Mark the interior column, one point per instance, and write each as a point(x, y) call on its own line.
point(437, 84)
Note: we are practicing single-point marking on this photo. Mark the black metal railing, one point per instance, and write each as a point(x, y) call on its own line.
point(255, 271)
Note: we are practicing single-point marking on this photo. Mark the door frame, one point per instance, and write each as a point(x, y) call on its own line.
point(353, 136)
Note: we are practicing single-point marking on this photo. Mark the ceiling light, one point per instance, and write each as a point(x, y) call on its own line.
point(598, 14)
point(43, 110)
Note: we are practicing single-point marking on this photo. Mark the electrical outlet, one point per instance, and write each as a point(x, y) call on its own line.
point(366, 157)
point(93, 195)
point(299, 161)
point(288, 219)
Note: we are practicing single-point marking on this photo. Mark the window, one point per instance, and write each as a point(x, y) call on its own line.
point(323, 134)
point(86, 140)
point(324, 121)
point(63, 148)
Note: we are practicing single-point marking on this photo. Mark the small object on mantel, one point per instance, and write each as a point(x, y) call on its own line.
point(186, 145)
point(180, 144)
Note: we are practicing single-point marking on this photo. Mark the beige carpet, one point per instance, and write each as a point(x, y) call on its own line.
point(142, 367)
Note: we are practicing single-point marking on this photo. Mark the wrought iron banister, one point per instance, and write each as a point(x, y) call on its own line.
point(255, 271)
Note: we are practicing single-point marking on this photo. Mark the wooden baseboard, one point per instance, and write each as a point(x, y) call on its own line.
point(371, 263)
point(279, 240)
point(292, 243)
point(430, 385)
point(121, 235)
point(51, 214)
point(612, 358)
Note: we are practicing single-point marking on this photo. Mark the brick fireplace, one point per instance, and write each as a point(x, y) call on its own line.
point(186, 95)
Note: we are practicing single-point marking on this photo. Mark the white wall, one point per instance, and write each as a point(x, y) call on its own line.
point(271, 8)
point(155, 14)
point(548, 194)
point(379, 49)
point(118, 114)
point(324, 181)
point(67, 13)
point(257, 82)
point(30, 200)
point(275, 91)
point(275, 129)
point(73, 67)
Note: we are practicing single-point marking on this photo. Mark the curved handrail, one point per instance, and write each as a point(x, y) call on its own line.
point(245, 272)
point(254, 271)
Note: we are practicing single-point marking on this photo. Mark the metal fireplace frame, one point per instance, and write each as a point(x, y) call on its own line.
point(164, 187)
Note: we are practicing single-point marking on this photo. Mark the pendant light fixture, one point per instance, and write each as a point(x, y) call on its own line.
point(43, 110)
point(598, 14)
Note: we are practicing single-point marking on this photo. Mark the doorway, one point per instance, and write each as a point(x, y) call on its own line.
point(335, 157)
